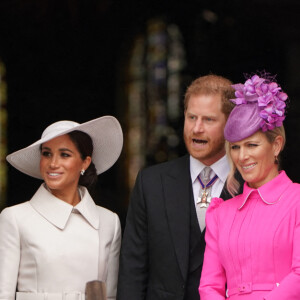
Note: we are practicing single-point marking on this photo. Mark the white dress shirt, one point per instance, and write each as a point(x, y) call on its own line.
point(220, 168)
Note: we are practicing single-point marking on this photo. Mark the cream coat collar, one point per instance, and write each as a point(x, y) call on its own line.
point(58, 212)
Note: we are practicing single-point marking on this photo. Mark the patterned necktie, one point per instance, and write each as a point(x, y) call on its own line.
point(204, 194)
point(206, 184)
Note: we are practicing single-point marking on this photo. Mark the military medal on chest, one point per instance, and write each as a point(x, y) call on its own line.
point(205, 197)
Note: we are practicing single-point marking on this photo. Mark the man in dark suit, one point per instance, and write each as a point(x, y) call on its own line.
point(163, 244)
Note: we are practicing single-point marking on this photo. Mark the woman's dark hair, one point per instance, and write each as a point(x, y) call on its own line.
point(84, 145)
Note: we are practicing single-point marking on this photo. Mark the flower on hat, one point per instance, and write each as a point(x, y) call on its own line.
point(269, 97)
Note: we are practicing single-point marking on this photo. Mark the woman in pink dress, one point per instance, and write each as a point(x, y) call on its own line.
point(253, 240)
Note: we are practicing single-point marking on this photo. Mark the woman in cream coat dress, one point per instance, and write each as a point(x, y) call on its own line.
point(52, 245)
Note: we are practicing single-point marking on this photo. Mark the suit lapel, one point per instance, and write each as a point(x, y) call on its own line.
point(225, 195)
point(177, 190)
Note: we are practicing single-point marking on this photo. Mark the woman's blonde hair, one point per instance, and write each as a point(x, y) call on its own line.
point(232, 184)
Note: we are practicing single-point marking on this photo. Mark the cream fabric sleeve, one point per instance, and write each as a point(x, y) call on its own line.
point(9, 254)
point(113, 262)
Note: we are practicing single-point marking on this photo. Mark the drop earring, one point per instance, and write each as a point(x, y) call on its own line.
point(82, 172)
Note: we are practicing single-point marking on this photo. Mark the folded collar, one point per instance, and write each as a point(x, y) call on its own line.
point(271, 192)
point(220, 168)
point(57, 211)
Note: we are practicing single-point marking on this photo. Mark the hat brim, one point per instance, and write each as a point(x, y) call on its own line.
point(107, 137)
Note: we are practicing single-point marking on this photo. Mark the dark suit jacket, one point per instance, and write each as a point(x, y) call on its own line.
point(154, 258)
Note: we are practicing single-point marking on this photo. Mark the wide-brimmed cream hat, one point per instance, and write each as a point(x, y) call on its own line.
point(105, 132)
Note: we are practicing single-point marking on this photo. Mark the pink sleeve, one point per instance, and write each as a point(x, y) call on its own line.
point(213, 278)
point(289, 287)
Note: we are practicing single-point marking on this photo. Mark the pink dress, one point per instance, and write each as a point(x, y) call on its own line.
point(253, 244)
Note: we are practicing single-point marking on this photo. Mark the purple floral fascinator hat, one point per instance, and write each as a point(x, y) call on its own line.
point(260, 104)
